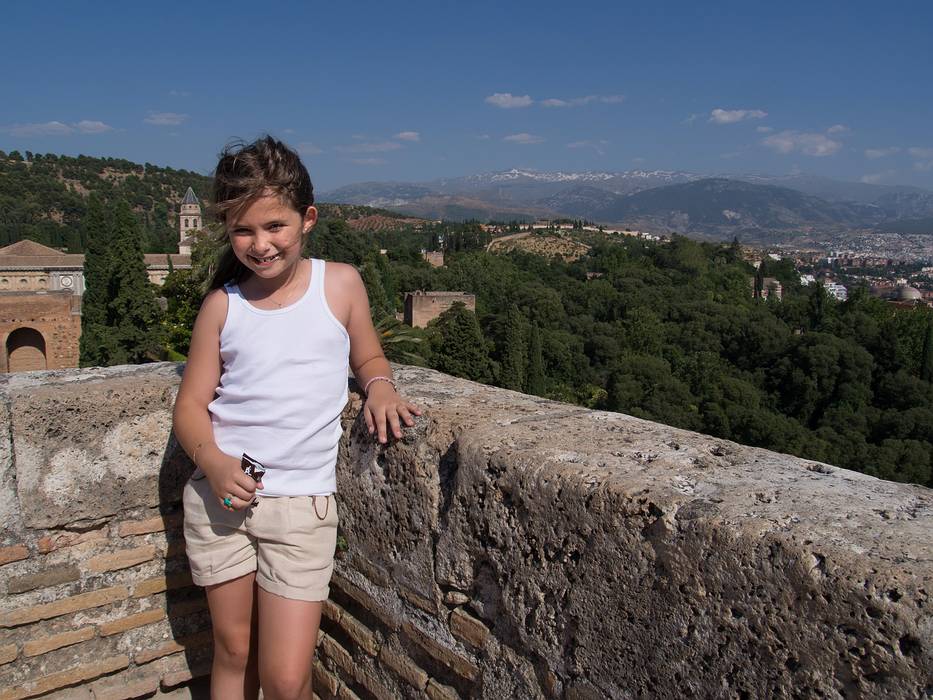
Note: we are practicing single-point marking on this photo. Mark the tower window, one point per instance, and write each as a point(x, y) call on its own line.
point(186, 223)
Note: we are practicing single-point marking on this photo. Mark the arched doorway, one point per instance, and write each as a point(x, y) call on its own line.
point(25, 350)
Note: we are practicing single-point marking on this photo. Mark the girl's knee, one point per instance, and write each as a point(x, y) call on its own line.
point(233, 650)
point(286, 684)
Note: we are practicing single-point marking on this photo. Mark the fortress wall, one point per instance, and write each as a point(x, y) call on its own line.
point(507, 546)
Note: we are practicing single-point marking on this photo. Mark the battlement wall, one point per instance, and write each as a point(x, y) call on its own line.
point(507, 546)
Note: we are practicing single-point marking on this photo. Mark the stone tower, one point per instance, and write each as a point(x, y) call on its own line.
point(189, 220)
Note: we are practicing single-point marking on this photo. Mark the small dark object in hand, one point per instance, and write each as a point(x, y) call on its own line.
point(252, 468)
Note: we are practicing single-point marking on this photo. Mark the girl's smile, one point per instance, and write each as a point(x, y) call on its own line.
point(267, 237)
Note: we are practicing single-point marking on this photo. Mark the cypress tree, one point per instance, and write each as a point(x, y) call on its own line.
point(119, 316)
point(534, 376)
point(134, 311)
point(462, 350)
point(926, 358)
point(515, 352)
point(95, 341)
point(378, 300)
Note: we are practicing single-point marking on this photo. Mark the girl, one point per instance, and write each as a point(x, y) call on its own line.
point(267, 375)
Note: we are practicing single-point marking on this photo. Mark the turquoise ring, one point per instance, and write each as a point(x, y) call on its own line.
point(228, 501)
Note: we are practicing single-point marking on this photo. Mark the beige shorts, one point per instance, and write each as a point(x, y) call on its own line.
point(289, 541)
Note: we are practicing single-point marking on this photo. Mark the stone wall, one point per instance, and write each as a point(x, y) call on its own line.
point(506, 547)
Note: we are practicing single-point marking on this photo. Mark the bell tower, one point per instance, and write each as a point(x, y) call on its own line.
point(189, 220)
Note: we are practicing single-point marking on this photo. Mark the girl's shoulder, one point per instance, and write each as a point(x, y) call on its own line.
point(340, 271)
point(214, 308)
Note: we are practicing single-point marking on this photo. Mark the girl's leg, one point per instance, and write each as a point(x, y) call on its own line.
point(234, 673)
point(287, 636)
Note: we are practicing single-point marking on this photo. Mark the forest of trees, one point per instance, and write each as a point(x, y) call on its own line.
point(44, 198)
point(668, 331)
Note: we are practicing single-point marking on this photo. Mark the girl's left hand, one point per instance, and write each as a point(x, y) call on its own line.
point(385, 409)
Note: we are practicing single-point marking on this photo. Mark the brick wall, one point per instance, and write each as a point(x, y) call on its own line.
point(506, 547)
point(54, 315)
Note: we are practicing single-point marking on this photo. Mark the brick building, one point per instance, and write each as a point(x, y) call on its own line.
point(421, 307)
point(40, 297)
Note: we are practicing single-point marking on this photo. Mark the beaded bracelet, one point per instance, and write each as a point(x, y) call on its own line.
point(379, 379)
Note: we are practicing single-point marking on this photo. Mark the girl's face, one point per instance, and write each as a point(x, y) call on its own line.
point(267, 236)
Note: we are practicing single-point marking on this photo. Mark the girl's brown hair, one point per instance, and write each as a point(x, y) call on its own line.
point(246, 172)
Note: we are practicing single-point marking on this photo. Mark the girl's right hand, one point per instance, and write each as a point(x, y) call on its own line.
point(228, 480)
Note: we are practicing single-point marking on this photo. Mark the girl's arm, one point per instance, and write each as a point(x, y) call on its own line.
point(384, 409)
point(191, 419)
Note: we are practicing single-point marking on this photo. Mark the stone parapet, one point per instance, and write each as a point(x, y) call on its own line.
point(507, 546)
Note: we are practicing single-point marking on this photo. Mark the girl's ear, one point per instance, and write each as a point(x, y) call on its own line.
point(309, 220)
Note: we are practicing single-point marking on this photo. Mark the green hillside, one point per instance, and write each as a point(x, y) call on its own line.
point(43, 197)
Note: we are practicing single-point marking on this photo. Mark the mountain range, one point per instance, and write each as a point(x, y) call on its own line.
point(659, 200)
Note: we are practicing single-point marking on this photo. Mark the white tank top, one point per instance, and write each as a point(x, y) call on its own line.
point(282, 389)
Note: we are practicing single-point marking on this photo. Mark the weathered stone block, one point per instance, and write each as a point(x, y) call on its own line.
point(83, 601)
point(397, 660)
point(161, 583)
point(336, 653)
point(439, 691)
point(72, 676)
point(125, 686)
point(41, 645)
point(322, 678)
point(457, 663)
point(121, 559)
point(159, 523)
point(66, 473)
point(358, 632)
point(8, 652)
point(468, 629)
point(16, 552)
point(146, 617)
point(191, 642)
point(52, 576)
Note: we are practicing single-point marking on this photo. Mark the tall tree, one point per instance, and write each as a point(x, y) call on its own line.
point(134, 311)
point(535, 380)
point(926, 356)
point(119, 316)
point(460, 348)
point(515, 351)
point(95, 346)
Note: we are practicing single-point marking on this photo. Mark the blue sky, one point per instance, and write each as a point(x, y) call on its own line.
point(416, 90)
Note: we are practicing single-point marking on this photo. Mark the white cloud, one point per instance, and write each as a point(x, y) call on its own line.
point(580, 101)
point(88, 126)
point(523, 138)
point(692, 118)
point(165, 118)
point(408, 136)
point(838, 129)
point(809, 144)
point(764, 129)
point(57, 128)
point(379, 147)
point(42, 129)
point(369, 161)
point(506, 100)
point(918, 152)
point(731, 116)
point(595, 145)
point(875, 153)
point(923, 166)
point(482, 137)
point(877, 178)
point(306, 148)
point(638, 160)
point(179, 93)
